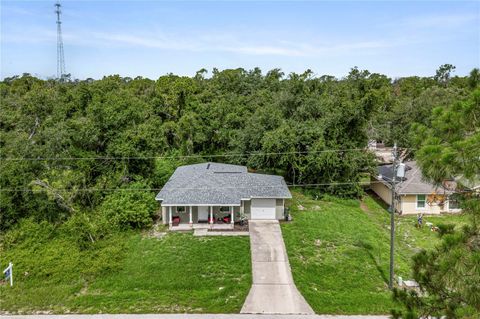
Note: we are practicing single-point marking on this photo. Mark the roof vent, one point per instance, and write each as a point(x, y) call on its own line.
point(208, 166)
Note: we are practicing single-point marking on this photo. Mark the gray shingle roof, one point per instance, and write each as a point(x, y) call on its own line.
point(219, 184)
point(413, 183)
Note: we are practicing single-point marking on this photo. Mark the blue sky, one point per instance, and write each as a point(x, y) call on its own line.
point(152, 38)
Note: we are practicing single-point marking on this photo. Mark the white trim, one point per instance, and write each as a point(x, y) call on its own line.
point(273, 197)
point(196, 205)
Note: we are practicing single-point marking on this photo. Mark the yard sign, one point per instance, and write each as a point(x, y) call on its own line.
point(9, 273)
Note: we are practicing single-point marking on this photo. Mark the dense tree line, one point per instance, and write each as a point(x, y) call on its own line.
point(128, 135)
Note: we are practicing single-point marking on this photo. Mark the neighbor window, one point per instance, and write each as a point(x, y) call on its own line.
point(180, 209)
point(420, 201)
point(453, 203)
point(224, 209)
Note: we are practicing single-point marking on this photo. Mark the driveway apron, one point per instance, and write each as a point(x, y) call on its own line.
point(273, 290)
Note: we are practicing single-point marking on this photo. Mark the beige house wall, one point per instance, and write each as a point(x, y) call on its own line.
point(409, 206)
point(382, 191)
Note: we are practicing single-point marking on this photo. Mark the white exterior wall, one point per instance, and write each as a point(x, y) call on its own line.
point(280, 209)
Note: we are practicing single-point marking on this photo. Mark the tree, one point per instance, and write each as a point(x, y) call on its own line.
point(449, 275)
point(117, 127)
point(474, 78)
point(442, 75)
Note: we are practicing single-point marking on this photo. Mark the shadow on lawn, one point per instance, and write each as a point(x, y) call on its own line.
point(368, 249)
point(378, 200)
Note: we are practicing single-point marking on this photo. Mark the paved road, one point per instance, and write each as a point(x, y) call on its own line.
point(191, 316)
point(273, 290)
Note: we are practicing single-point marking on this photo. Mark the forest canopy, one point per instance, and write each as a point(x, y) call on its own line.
point(77, 146)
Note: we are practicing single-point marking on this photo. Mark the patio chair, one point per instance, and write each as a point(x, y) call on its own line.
point(175, 220)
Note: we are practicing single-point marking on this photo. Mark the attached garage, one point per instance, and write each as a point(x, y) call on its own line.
point(263, 208)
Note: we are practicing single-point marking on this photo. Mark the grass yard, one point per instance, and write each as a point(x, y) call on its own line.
point(339, 252)
point(178, 273)
point(408, 236)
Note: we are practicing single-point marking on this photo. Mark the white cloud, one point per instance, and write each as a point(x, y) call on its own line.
point(222, 43)
point(207, 41)
point(441, 20)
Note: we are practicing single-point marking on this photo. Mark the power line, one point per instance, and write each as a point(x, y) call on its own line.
point(193, 188)
point(176, 156)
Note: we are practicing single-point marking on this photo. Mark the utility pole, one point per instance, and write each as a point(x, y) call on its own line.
point(60, 55)
point(392, 215)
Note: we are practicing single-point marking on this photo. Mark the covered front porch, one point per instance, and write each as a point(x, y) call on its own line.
point(202, 217)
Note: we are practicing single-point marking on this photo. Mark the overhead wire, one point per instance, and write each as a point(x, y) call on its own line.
point(179, 156)
point(193, 188)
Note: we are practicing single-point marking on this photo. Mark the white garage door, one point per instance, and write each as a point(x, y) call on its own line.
point(263, 208)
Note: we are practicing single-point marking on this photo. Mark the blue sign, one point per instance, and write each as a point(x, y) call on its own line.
point(8, 273)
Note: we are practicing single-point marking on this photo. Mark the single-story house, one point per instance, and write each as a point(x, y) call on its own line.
point(414, 194)
point(220, 194)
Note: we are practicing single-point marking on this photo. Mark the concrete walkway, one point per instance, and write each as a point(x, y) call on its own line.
point(273, 290)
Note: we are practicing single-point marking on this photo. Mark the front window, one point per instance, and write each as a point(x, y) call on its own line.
point(421, 201)
point(224, 209)
point(453, 203)
point(180, 209)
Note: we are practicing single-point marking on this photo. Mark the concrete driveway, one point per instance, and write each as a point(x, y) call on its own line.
point(273, 290)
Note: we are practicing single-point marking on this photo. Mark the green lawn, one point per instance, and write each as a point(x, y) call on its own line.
point(178, 273)
point(339, 252)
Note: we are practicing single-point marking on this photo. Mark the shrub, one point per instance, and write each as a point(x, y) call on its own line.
point(131, 207)
point(85, 228)
point(28, 233)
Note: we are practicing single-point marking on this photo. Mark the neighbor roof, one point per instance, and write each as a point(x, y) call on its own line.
point(219, 184)
point(413, 183)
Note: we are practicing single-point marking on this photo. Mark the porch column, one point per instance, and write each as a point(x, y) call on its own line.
point(190, 211)
point(170, 216)
point(211, 214)
point(232, 215)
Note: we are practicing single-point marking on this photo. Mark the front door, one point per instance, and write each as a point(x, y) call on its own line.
point(203, 213)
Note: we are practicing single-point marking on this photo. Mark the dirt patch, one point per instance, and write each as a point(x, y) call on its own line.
point(364, 207)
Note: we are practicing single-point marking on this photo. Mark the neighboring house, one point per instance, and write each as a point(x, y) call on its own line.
point(469, 184)
point(208, 192)
point(414, 194)
point(384, 154)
